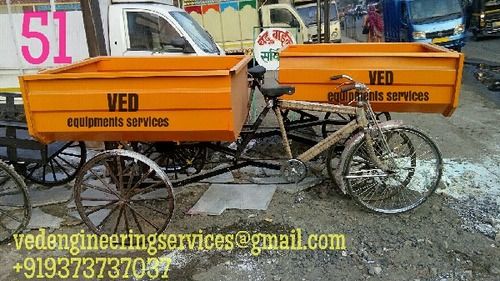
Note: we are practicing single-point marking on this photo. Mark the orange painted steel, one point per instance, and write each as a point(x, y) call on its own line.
point(163, 98)
point(402, 77)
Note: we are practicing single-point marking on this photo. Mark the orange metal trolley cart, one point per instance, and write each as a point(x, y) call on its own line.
point(170, 110)
point(403, 77)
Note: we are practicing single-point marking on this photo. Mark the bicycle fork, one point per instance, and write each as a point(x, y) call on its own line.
point(367, 132)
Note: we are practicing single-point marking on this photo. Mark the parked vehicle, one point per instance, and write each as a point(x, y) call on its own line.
point(308, 12)
point(235, 25)
point(485, 17)
point(439, 22)
point(139, 28)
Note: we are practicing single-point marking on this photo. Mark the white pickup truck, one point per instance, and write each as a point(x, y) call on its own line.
point(36, 40)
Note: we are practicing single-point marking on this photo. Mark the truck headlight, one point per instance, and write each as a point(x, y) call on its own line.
point(418, 35)
point(334, 35)
point(459, 29)
point(309, 38)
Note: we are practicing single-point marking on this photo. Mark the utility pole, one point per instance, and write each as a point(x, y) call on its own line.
point(318, 19)
point(93, 27)
point(326, 14)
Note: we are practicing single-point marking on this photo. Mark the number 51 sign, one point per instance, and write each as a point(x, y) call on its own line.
point(28, 33)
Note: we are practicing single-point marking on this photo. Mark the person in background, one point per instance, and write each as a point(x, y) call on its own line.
point(373, 20)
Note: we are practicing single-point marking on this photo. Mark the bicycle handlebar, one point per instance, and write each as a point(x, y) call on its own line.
point(354, 86)
point(337, 77)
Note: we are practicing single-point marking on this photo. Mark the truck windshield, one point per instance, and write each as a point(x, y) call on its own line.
point(199, 35)
point(424, 11)
point(308, 13)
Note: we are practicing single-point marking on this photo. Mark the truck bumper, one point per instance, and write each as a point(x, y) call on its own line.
point(455, 42)
point(459, 43)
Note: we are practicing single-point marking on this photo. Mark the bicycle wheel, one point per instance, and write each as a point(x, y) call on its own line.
point(119, 190)
point(333, 157)
point(415, 170)
point(15, 206)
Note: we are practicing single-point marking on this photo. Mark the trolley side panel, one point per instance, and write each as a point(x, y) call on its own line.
point(122, 100)
point(402, 77)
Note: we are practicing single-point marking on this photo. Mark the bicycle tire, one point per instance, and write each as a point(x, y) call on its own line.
point(400, 198)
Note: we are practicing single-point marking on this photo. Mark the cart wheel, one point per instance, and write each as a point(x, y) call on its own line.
point(175, 159)
point(119, 190)
point(15, 206)
point(415, 171)
point(61, 168)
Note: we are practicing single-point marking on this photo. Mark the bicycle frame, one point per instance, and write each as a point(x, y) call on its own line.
point(251, 132)
point(277, 105)
point(360, 123)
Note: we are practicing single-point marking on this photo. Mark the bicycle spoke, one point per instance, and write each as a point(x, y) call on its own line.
point(9, 215)
point(137, 184)
point(105, 184)
point(71, 154)
point(142, 217)
point(67, 162)
point(33, 170)
point(126, 218)
point(111, 174)
point(118, 219)
point(98, 208)
point(147, 189)
point(150, 207)
point(106, 218)
point(137, 223)
point(61, 167)
point(99, 189)
point(120, 173)
point(97, 199)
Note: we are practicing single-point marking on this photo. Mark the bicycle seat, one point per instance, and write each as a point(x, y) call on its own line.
point(277, 91)
point(257, 71)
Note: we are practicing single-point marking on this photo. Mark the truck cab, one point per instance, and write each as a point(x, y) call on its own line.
point(284, 15)
point(235, 25)
point(308, 12)
point(156, 29)
point(485, 17)
point(439, 22)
